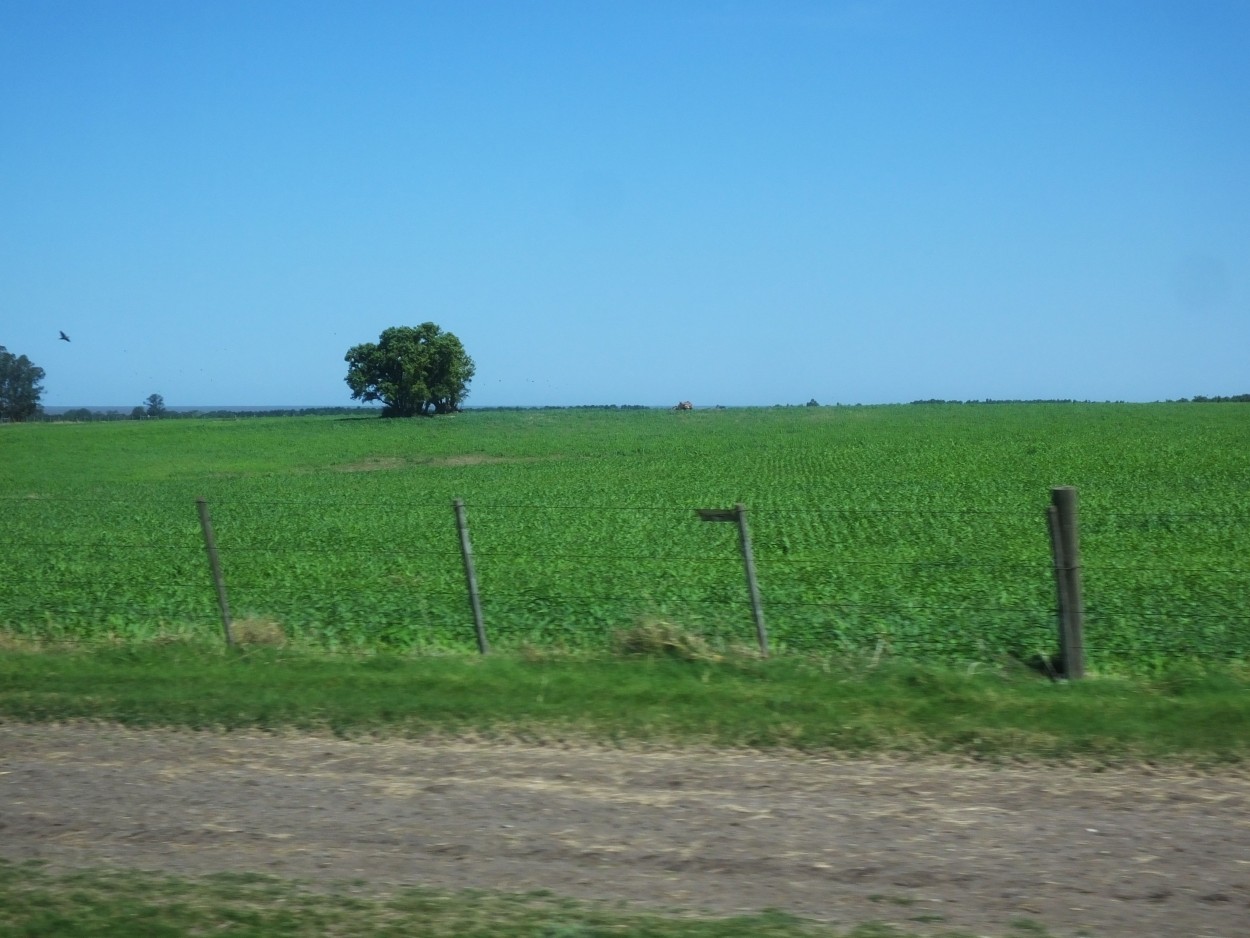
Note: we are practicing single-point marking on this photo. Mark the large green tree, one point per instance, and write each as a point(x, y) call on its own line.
point(412, 370)
point(20, 389)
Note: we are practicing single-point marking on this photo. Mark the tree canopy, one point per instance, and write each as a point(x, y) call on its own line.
point(412, 370)
point(20, 389)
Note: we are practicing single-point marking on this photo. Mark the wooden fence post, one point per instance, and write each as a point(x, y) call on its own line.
point(470, 576)
point(1061, 590)
point(1065, 544)
point(214, 564)
point(748, 561)
point(739, 514)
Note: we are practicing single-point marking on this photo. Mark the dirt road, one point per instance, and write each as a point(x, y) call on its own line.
point(1121, 853)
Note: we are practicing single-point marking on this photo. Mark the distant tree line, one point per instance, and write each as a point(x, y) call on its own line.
point(288, 412)
point(158, 409)
point(990, 400)
point(510, 408)
point(1200, 399)
point(83, 414)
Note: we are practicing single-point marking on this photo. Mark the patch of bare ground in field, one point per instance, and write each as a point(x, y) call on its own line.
point(378, 464)
point(924, 843)
point(373, 464)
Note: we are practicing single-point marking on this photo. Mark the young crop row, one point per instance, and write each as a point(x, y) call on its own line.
point(908, 531)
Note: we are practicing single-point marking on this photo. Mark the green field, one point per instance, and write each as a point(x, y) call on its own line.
point(916, 531)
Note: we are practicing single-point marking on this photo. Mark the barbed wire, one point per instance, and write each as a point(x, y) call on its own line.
point(754, 507)
point(1169, 614)
point(867, 642)
point(227, 504)
point(114, 642)
point(100, 545)
point(98, 607)
point(729, 567)
point(352, 547)
point(391, 603)
point(766, 555)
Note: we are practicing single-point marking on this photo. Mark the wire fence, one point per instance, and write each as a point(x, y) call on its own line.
point(342, 574)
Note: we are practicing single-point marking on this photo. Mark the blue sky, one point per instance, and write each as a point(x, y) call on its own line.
point(634, 202)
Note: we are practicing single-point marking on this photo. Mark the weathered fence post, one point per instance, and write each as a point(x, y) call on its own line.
point(739, 514)
point(748, 561)
point(1061, 591)
point(1065, 545)
point(214, 564)
point(470, 576)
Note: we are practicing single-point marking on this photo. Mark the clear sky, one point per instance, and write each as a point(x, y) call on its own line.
point(727, 201)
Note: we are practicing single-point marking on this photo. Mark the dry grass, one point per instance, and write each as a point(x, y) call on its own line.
point(258, 631)
point(658, 638)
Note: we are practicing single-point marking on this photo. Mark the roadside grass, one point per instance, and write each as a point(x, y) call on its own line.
point(36, 901)
point(1194, 714)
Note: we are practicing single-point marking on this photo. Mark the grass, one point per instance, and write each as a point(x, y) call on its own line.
point(1194, 714)
point(36, 901)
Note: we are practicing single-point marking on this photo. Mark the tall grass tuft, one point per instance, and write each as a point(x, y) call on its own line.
point(657, 638)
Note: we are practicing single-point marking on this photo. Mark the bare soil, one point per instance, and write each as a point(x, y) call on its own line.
point(924, 844)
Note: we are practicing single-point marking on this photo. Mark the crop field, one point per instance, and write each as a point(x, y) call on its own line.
point(917, 531)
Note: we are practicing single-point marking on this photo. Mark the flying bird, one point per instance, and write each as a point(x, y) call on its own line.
point(64, 336)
